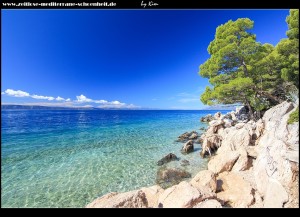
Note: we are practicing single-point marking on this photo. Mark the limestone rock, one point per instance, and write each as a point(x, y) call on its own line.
point(205, 178)
point(239, 126)
point(276, 195)
point(223, 161)
point(251, 151)
point(210, 143)
point(217, 115)
point(193, 136)
point(209, 204)
point(188, 147)
point(152, 193)
point(216, 125)
point(236, 191)
point(228, 123)
point(132, 199)
point(235, 139)
point(207, 118)
point(183, 195)
point(278, 149)
point(243, 163)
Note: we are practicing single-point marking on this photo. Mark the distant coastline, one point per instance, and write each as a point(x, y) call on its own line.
point(42, 107)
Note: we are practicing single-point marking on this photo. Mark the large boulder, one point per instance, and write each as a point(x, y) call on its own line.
point(235, 190)
point(166, 159)
point(205, 178)
point(223, 161)
point(217, 115)
point(234, 139)
point(132, 199)
point(278, 149)
point(166, 177)
point(210, 143)
point(243, 162)
point(215, 125)
point(183, 195)
point(211, 203)
point(228, 123)
point(188, 147)
point(275, 195)
point(152, 193)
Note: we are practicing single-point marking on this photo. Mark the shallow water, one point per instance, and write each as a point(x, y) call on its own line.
point(67, 158)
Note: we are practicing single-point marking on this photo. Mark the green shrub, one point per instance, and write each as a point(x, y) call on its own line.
point(294, 116)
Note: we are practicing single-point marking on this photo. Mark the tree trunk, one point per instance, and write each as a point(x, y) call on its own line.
point(270, 96)
point(245, 68)
point(250, 109)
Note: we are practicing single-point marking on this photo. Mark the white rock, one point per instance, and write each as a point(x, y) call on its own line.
point(152, 193)
point(276, 195)
point(243, 163)
point(236, 190)
point(183, 195)
point(131, 199)
point(205, 178)
point(223, 161)
point(209, 204)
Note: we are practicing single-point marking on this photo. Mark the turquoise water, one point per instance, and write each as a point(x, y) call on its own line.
point(68, 158)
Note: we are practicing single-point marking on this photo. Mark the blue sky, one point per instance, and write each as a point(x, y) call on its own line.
point(116, 58)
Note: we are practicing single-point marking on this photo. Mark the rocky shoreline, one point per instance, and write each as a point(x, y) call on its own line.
point(252, 164)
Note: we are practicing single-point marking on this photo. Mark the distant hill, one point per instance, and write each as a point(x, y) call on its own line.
point(37, 107)
point(221, 107)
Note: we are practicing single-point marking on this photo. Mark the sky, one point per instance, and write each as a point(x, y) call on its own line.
point(116, 58)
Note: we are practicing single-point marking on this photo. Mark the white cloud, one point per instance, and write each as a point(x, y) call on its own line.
point(16, 93)
point(100, 101)
point(2, 93)
point(59, 98)
point(50, 98)
point(83, 98)
point(67, 102)
point(119, 106)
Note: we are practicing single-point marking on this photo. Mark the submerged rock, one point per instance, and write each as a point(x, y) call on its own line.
point(167, 159)
point(187, 136)
point(184, 163)
point(188, 147)
point(167, 177)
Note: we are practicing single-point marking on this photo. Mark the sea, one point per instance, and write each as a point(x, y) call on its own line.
point(68, 158)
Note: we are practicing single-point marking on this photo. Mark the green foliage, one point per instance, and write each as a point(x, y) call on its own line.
point(294, 116)
point(289, 50)
point(241, 70)
point(259, 104)
point(293, 24)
